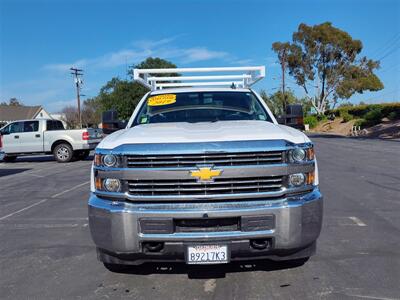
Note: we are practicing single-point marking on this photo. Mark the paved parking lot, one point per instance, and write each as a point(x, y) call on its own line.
point(46, 250)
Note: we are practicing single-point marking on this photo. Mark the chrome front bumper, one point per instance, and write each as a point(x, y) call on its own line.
point(115, 226)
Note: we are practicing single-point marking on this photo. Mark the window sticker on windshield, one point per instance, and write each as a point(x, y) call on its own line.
point(143, 120)
point(160, 100)
point(262, 117)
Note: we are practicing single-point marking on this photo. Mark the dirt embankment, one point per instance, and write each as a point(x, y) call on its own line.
point(335, 127)
point(385, 130)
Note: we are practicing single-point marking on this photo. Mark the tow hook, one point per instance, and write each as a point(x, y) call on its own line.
point(260, 244)
point(153, 246)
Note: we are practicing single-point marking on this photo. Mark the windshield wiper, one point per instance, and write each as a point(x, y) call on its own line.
point(211, 121)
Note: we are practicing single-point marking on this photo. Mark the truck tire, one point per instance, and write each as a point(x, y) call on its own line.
point(63, 153)
point(9, 158)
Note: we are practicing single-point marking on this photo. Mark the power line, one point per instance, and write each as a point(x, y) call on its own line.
point(380, 50)
point(389, 52)
point(391, 47)
point(390, 68)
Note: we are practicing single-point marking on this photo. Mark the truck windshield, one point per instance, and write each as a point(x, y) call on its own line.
point(196, 107)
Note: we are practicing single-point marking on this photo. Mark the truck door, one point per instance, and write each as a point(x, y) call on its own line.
point(11, 135)
point(31, 139)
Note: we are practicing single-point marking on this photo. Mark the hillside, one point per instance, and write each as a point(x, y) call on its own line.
point(385, 130)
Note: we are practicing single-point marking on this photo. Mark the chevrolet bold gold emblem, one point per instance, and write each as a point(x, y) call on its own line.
point(205, 174)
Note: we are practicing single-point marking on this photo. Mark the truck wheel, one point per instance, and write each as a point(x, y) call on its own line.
point(63, 153)
point(8, 158)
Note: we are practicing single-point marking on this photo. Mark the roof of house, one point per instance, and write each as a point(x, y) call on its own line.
point(12, 113)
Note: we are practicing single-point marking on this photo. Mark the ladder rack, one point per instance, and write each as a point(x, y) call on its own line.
point(236, 77)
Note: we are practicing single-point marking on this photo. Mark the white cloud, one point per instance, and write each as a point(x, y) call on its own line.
point(151, 44)
point(201, 54)
point(65, 67)
point(54, 87)
point(57, 106)
point(119, 58)
point(242, 62)
point(45, 91)
point(140, 51)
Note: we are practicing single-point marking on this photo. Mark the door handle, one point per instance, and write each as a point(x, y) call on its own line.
point(37, 135)
point(16, 136)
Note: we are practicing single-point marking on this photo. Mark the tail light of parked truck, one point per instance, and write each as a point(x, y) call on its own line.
point(1, 147)
point(85, 136)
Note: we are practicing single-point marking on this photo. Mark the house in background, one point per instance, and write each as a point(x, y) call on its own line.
point(9, 113)
point(60, 117)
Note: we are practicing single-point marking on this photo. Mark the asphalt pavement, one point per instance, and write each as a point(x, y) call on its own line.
point(46, 251)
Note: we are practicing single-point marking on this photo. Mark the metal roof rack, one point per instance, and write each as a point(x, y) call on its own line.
point(237, 77)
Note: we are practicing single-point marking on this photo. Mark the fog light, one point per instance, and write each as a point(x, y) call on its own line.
point(112, 185)
point(297, 179)
point(110, 160)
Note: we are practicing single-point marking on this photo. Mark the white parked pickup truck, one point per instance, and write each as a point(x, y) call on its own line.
point(204, 175)
point(45, 136)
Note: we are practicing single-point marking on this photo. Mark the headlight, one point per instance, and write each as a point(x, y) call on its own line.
point(109, 160)
point(297, 155)
point(112, 185)
point(297, 179)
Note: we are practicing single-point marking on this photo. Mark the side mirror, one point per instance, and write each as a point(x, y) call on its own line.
point(293, 117)
point(111, 123)
point(280, 119)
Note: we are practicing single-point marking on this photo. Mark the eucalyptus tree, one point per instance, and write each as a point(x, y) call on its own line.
point(327, 63)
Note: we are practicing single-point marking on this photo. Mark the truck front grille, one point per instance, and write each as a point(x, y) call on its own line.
point(216, 159)
point(218, 187)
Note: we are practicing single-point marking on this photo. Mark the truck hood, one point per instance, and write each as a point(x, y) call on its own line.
point(203, 132)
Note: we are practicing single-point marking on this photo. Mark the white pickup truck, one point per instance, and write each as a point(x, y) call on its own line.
point(204, 175)
point(45, 136)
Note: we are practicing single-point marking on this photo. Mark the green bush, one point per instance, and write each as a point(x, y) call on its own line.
point(311, 120)
point(393, 115)
point(359, 111)
point(346, 116)
point(361, 122)
point(342, 111)
point(374, 116)
point(321, 118)
point(368, 114)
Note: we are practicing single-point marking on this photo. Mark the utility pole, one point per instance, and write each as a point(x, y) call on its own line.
point(283, 66)
point(78, 82)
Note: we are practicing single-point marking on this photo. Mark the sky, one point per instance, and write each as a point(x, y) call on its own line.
point(41, 39)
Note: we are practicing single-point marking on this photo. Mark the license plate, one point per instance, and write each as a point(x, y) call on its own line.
point(207, 254)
